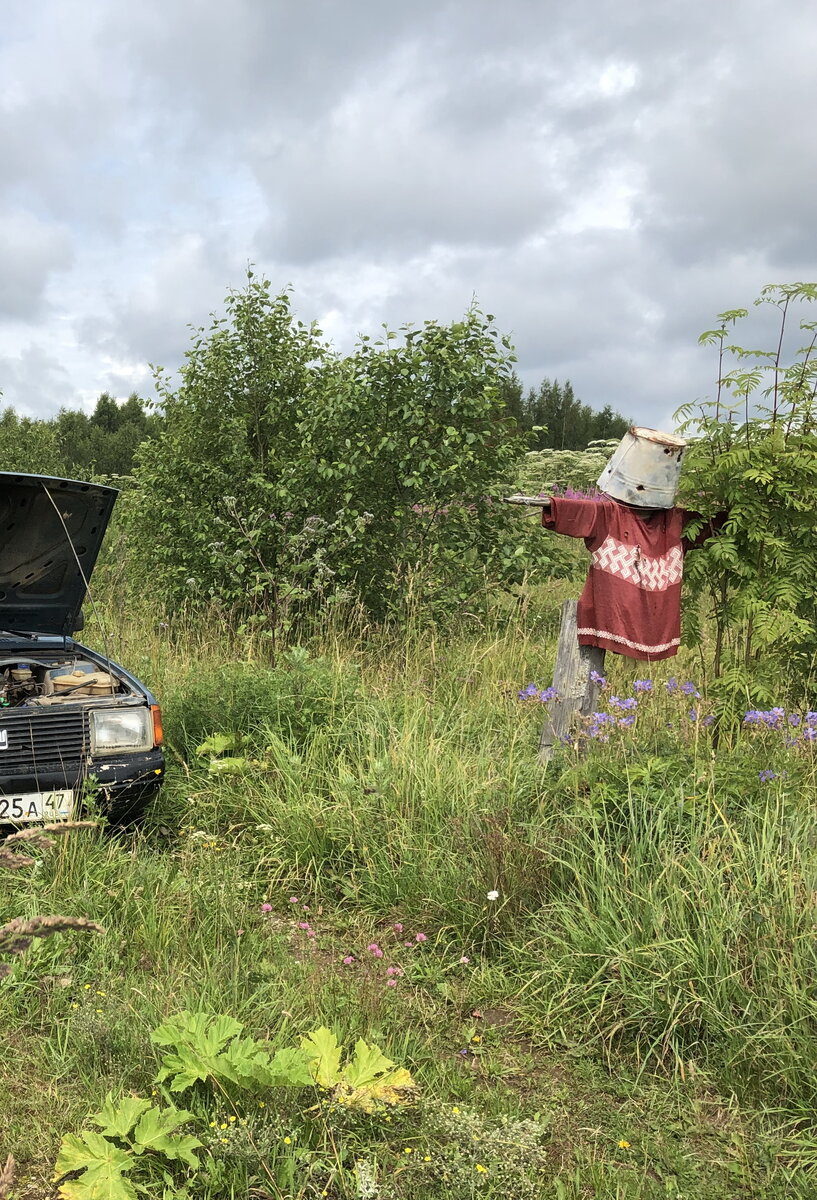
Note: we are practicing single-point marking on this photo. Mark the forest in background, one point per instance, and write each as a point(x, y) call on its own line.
point(103, 443)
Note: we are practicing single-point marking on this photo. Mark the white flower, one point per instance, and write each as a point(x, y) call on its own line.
point(493, 895)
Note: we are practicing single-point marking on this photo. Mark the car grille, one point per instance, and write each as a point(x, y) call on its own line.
point(37, 740)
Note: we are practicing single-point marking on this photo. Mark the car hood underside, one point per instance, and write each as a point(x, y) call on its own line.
point(51, 531)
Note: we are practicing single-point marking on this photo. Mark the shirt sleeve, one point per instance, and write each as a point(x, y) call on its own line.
point(576, 518)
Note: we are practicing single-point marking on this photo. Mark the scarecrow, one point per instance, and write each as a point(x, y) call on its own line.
point(631, 602)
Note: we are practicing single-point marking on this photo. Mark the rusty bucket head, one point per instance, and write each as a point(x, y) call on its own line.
point(645, 469)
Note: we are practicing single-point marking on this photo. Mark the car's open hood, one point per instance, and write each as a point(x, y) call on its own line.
point(50, 534)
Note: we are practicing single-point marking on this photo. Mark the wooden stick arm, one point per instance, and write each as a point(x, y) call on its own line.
point(531, 501)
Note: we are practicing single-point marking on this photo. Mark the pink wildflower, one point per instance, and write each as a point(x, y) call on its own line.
point(421, 937)
point(465, 960)
point(293, 899)
point(303, 925)
point(311, 933)
point(372, 947)
point(348, 960)
point(393, 971)
point(266, 908)
point(391, 983)
point(397, 927)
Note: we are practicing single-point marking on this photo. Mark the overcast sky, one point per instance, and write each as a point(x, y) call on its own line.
point(603, 175)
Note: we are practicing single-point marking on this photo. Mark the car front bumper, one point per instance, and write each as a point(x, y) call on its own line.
point(121, 780)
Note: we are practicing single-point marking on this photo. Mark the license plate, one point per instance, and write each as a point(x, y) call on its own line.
point(37, 806)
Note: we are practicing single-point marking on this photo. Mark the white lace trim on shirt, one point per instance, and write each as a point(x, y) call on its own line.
point(616, 637)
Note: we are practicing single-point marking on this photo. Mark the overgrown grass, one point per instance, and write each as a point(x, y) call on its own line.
point(642, 987)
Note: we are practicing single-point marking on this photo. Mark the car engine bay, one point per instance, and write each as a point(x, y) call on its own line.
point(55, 680)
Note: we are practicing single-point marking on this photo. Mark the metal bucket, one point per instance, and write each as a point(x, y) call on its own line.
point(644, 469)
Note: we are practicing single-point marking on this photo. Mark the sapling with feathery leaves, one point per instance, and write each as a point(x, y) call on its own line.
point(753, 457)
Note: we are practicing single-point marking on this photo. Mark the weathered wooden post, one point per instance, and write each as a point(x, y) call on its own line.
point(576, 692)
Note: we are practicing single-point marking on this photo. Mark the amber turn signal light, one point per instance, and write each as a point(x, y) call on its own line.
point(158, 732)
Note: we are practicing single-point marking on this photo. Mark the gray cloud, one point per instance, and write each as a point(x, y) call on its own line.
point(31, 250)
point(35, 382)
point(604, 177)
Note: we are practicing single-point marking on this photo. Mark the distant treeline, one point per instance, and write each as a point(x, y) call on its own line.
point(76, 444)
point(557, 420)
point(82, 445)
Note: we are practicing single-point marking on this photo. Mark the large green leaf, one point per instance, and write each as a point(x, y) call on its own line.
point(155, 1132)
point(367, 1064)
point(103, 1166)
point(205, 1033)
point(218, 743)
point(246, 1063)
point(198, 1038)
point(118, 1120)
point(186, 1068)
point(371, 1080)
point(290, 1068)
point(323, 1052)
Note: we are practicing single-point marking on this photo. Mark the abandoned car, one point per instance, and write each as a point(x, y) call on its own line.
point(73, 723)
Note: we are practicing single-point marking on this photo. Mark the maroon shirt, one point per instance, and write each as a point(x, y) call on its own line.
point(631, 602)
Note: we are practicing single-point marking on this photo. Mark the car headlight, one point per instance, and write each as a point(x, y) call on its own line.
point(114, 730)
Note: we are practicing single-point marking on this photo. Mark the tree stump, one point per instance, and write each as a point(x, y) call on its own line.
point(576, 693)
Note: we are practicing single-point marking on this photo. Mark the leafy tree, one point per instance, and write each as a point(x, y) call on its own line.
point(285, 473)
point(215, 497)
point(28, 445)
point(412, 442)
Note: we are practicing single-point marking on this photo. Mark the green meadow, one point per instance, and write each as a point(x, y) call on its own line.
point(599, 976)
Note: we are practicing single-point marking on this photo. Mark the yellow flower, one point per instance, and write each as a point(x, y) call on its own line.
point(231, 1118)
point(426, 1158)
point(212, 1124)
point(225, 1141)
point(407, 1150)
point(481, 1170)
point(223, 1125)
point(476, 1038)
point(97, 1010)
point(75, 1006)
point(101, 993)
point(87, 987)
point(624, 1144)
point(287, 1141)
point(262, 1104)
point(455, 1109)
